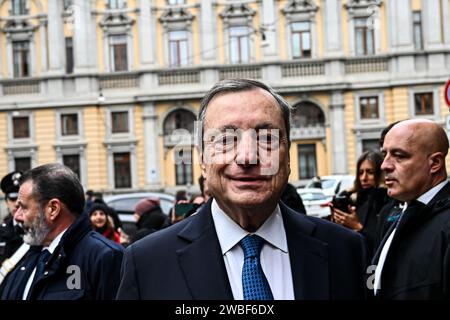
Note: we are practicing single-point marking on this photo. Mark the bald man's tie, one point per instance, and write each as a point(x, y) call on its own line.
point(254, 282)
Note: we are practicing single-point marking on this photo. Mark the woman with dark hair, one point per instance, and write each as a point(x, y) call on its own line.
point(359, 207)
point(102, 222)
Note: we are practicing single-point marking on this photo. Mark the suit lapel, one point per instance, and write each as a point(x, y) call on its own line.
point(308, 256)
point(201, 259)
point(15, 282)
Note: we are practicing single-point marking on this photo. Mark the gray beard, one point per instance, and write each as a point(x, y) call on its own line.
point(38, 231)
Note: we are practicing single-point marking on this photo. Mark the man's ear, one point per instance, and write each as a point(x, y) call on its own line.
point(202, 164)
point(53, 209)
point(289, 161)
point(436, 161)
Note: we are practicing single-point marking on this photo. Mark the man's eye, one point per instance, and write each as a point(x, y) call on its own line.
point(399, 156)
point(268, 141)
point(267, 138)
point(228, 139)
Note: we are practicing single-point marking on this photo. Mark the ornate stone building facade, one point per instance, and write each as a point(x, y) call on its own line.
point(102, 85)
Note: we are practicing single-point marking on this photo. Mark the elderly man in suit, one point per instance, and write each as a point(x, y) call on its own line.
point(244, 243)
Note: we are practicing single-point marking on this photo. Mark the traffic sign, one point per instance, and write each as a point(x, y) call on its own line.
point(447, 93)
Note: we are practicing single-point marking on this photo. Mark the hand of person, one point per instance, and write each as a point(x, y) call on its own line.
point(124, 238)
point(347, 219)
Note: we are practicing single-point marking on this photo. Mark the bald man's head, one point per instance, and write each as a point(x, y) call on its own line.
point(425, 134)
point(414, 158)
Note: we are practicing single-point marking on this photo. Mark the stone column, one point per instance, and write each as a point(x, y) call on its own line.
point(56, 41)
point(151, 146)
point(9, 56)
point(84, 43)
point(147, 38)
point(207, 27)
point(43, 44)
point(338, 141)
point(432, 24)
point(268, 22)
point(110, 166)
point(434, 35)
point(83, 166)
point(399, 16)
point(133, 164)
point(332, 27)
point(446, 21)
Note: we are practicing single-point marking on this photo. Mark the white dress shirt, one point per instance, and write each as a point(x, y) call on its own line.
point(425, 199)
point(274, 257)
point(51, 248)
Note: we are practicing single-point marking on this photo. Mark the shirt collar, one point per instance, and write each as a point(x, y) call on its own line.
point(51, 248)
point(427, 196)
point(230, 233)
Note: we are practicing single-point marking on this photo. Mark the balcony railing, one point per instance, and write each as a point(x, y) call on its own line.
point(171, 77)
point(366, 65)
point(121, 80)
point(13, 87)
point(303, 69)
point(310, 132)
point(248, 72)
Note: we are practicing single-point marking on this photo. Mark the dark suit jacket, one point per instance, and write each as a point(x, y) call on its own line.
point(185, 261)
point(418, 263)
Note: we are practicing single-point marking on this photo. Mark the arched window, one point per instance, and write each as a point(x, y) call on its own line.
point(179, 119)
point(307, 114)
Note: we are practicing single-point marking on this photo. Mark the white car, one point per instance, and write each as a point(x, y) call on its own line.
point(124, 206)
point(315, 200)
point(332, 185)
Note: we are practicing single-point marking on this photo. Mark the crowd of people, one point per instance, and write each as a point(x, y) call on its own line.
point(246, 235)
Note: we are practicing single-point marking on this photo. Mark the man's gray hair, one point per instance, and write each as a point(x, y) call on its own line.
point(238, 85)
point(54, 180)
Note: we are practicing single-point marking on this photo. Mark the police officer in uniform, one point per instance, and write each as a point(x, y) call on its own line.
point(11, 231)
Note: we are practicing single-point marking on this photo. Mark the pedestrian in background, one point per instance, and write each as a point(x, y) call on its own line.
point(149, 217)
point(363, 202)
point(102, 221)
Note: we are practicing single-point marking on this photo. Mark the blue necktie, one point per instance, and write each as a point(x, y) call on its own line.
point(40, 267)
point(254, 282)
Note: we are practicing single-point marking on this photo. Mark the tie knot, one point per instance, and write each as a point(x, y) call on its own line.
point(252, 245)
point(44, 256)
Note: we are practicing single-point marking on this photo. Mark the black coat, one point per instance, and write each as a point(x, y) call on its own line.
point(369, 204)
point(292, 199)
point(149, 222)
point(97, 259)
point(418, 262)
point(10, 239)
point(185, 261)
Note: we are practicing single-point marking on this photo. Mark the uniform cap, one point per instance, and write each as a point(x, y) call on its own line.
point(10, 184)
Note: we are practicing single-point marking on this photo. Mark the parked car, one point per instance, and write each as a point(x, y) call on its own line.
point(332, 185)
point(124, 205)
point(315, 200)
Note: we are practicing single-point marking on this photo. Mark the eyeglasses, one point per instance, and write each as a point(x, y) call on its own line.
point(266, 140)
